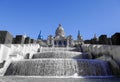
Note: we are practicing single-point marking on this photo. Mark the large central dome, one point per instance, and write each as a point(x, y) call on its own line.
point(60, 31)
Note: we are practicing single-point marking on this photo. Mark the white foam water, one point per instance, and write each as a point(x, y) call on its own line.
point(59, 67)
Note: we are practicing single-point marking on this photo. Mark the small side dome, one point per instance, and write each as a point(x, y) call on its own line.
point(60, 31)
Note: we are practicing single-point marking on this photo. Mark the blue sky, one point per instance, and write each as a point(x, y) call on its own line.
point(88, 16)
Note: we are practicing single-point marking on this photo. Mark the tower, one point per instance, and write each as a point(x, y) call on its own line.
point(95, 37)
point(78, 36)
point(94, 40)
point(40, 37)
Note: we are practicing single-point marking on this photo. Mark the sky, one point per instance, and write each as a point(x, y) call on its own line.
point(89, 16)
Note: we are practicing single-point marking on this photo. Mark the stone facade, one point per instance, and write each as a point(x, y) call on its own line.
point(5, 37)
point(27, 40)
point(19, 39)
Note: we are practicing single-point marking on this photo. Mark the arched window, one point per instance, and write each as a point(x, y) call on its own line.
point(65, 43)
point(60, 43)
point(55, 43)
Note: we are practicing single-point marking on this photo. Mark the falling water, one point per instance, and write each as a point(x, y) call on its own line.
point(55, 49)
point(59, 67)
point(58, 54)
point(58, 62)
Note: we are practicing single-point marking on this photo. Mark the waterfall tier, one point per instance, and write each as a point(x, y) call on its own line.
point(58, 67)
point(55, 49)
point(58, 54)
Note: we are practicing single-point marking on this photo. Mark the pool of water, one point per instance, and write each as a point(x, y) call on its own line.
point(47, 79)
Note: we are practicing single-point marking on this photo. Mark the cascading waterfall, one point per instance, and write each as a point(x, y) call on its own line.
point(58, 62)
point(59, 67)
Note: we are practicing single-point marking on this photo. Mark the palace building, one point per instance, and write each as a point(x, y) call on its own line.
point(60, 40)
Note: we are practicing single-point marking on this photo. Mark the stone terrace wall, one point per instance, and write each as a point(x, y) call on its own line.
point(16, 51)
point(112, 50)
